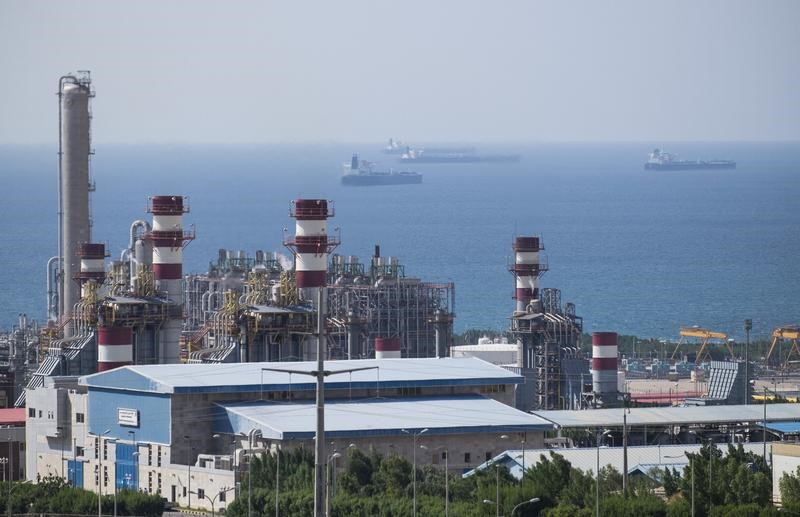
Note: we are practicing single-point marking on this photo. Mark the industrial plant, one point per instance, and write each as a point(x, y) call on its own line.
point(142, 359)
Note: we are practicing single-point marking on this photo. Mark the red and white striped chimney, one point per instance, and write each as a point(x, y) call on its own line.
point(114, 347)
point(92, 259)
point(527, 270)
point(387, 348)
point(311, 243)
point(168, 241)
point(604, 362)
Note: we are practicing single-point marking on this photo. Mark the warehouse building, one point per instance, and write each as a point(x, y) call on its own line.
point(185, 431)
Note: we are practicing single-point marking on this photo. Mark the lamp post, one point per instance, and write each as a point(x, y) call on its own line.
point(331, 476)
point(414, 458)
point(497, 490)
point(213, 500)
point(233, 456)
point(61, 436)
point(4, 462)
point(252, 434)
point(446, 477)
point(529, 501)
point(748, 326)
point(189, 473)
point(597, 479)
point(99, 438)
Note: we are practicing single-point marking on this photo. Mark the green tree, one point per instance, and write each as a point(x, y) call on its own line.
point(789, 485)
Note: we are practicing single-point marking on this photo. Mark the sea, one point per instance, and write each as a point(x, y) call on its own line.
point(638, 252)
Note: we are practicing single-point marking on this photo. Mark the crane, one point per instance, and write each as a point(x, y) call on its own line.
point(788, 333)
point(705, 335)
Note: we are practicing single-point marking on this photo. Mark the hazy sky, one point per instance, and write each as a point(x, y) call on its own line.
point(428, 70)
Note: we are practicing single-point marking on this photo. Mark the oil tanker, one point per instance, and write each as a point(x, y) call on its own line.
point(662, 161)
point(362, 173)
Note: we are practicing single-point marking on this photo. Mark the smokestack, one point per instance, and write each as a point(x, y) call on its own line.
point(114, 347)
point(387, 348)
point(74, 184)
point(310, 246)
point(93, 267)
point(526, 270)
point(604, 365)
point(168, 241)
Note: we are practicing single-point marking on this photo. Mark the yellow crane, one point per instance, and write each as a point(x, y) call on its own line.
point(705, 335)
point(789, 333)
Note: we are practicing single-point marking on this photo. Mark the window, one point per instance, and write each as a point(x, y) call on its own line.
point(31, 412)
point(159, 456)
point(40, 413)
point(444, 455)
point(488, 455)
point(79, 451)
point(184, 491)
point(466, 458)
point(222, 496)
point(201, 493)
point(49, 415)
point(150, 455)
point(79, 418)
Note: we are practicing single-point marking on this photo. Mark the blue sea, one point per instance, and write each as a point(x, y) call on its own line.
point(638, 252)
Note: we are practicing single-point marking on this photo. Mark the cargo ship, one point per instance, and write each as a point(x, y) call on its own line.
point(362, 173)
point(421, 156)
point(398, 147)
point(662, 161)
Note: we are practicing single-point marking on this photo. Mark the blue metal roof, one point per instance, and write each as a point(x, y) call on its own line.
point(784, 427)
point(250, 377)
point(379, 417)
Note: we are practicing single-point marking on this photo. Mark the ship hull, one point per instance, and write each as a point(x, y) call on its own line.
point(464, 159)
point(682, 166)
point(372, 180)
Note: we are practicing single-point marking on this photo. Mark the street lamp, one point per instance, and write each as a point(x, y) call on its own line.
point(331, 458)
point(252, 434)
point(189, 467)
point(61, 436)
point(497, 490)
point(234, 466)
point(99, 438)
point(446, 476)
point(748, 326)
point(529, 501)
point(213, 500)
point(414, 455)
point(4, 462)
point(691, 468)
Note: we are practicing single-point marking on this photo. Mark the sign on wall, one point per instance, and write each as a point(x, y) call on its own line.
point(129, 417)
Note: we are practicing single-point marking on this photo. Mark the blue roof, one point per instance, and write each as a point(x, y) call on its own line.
point(784, 427)
point(379, 417)
point(251, 377)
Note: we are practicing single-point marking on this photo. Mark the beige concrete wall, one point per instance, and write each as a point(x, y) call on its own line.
point(785, 460)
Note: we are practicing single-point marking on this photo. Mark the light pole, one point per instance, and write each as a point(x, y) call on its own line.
point(497, 490)
point(189, 467)
point(331, 476)
point(252, 434)
point(597, 479)
point(748, 326)
point(446, 477)
point(414, 457)
point(529, 501)
point(99, 438)
point(61, 436)
point(213, 500)
point(4, 462)
point(233, 455)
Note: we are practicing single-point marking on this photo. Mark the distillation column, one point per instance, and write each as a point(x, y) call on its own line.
point(74, 152)
point(168, 240)
point(310, 246)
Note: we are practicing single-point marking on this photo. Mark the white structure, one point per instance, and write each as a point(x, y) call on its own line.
point(785, 460)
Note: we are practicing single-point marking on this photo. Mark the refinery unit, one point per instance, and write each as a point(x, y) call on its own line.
point(142, 309)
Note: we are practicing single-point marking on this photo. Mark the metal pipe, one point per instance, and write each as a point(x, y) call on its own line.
point(52, 299)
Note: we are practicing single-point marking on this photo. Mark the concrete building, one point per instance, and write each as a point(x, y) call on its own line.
point(785, 460)
point(185, 431)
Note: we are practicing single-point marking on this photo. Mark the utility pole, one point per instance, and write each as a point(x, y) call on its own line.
point(748, 325)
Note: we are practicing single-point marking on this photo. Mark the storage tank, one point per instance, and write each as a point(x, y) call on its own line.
point(387, 348)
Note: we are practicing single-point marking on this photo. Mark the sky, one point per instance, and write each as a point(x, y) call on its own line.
point(445, 70)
